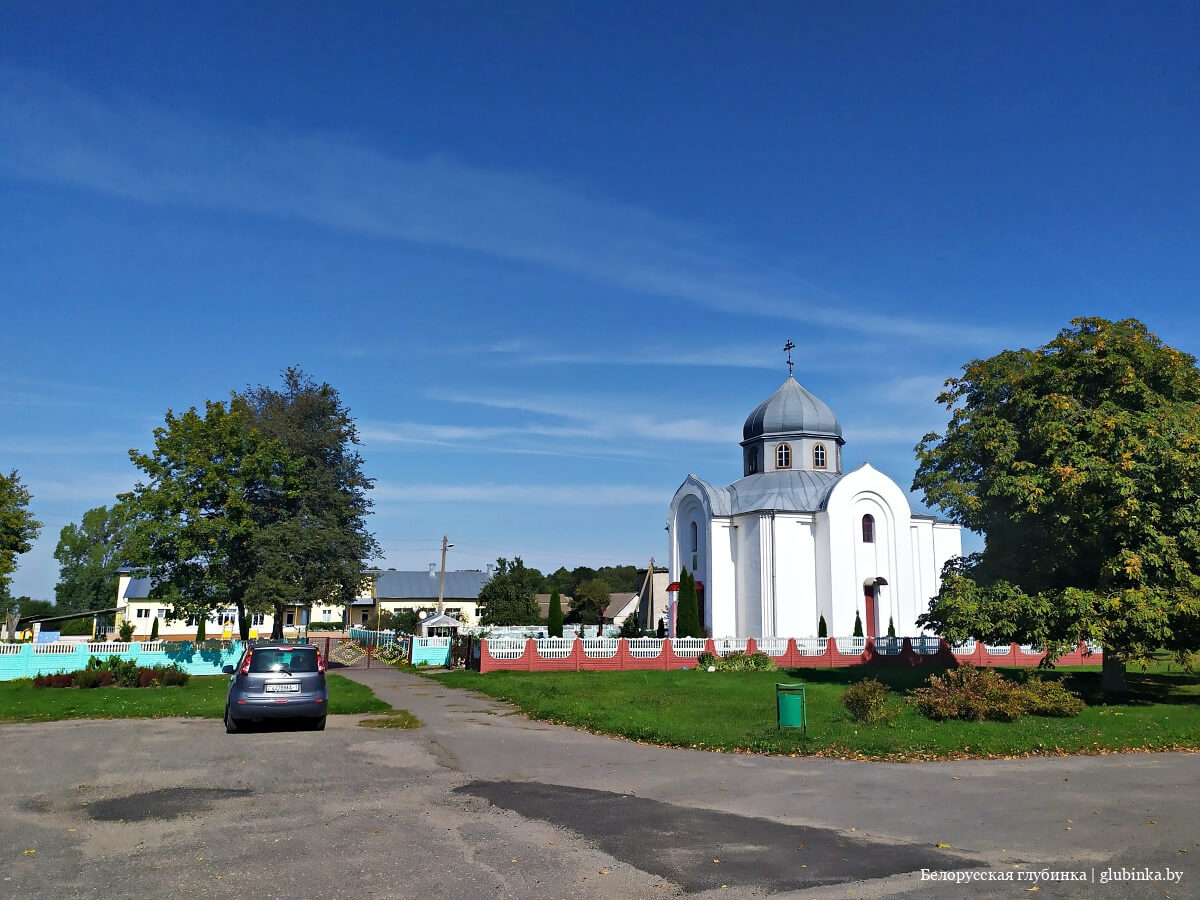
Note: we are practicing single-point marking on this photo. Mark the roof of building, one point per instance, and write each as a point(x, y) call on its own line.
point(792, 410)
point(788, 490)
point(423, 585)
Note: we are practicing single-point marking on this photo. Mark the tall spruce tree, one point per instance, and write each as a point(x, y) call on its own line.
point(687, 616)
point(554, 618)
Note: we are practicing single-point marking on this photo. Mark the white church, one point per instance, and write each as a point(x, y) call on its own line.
point(796, 538)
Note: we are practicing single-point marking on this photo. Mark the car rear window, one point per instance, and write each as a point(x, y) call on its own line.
point(298, 659)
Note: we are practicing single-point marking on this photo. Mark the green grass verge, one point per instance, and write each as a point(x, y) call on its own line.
point(735, 711)
point(203, 696)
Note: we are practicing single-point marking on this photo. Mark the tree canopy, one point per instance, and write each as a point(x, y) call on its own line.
point(1080, 462)
point(589, 602)
point(508, 596)
point(89, 555)
point(312, 545)
point(258, 504)
point(18, 527)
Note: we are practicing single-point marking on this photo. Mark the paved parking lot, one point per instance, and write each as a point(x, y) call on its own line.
point(482, 802)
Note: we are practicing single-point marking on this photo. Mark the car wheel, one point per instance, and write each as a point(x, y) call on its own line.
point(231, 725)
point(317, 724)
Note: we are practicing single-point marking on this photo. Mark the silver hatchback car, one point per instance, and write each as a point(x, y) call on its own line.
point(277, 681)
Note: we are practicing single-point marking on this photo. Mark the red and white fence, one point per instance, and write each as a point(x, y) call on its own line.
point(618, 654)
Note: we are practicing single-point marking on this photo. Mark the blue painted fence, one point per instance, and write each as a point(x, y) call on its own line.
point(431, 651)
point(28, 660)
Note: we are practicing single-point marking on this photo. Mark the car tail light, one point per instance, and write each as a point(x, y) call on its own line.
point(320, 662)
point(246, 662)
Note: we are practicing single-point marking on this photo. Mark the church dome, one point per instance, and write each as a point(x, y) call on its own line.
point(791, 410)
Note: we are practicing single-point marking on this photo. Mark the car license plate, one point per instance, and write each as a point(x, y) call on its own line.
point(287, 687)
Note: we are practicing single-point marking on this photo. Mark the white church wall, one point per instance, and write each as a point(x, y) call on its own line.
point(923, 572)
point(721, 588)
point(748, 615)
point(796, 577)
point(947, 545)
point(824, 563)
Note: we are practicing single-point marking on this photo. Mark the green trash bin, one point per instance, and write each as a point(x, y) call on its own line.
point(790, 707)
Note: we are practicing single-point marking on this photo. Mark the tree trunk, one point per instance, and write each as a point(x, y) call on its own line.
point(277, 624)
point(243, 624)
point(1112, 674)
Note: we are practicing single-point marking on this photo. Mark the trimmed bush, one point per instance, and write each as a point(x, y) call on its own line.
point(1051, 698)
point(93, 678)
point(822, 628)
point(866, 700)
point(56, 680)
point(554, 616)
point(858, 629)
point(154, 630)
point(735, 662)
point(973, 694)
point(891, 627)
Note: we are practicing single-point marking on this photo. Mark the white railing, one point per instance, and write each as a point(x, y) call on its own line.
point(57, 647)
point(889, 646)
point(150, 646)
point(10, 649)
point(554, 648)
point(926, 645)
point(725, 646)
point(773, 646)
point(600, 648)
point(998, 649)
point(810, 646)
point(433, 642)
point(1030, 649)
point(108, 647)
point(1094, 647)
point(504, 648)
point(964, 648)
point(645, 648)
point(688, 646)
point(852, 646)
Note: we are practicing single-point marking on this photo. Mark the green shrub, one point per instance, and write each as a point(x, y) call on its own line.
point(891, 627)
point(124, 671)
point(125, 632)
point(737, 661)
point(973, 694)
point(154, 630)
point(822, 628)
point(1051, 698)
point(858, 629)
point(92, 678)
point(866, 700)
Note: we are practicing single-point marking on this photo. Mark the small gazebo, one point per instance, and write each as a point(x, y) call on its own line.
point(440, 625)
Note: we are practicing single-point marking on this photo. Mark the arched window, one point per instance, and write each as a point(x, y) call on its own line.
point(783, 456)
point(868, 529)
point(695, 537)
point(753, 470)
point(818, 456)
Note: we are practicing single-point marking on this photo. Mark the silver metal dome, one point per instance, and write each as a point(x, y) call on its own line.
point(792, 410)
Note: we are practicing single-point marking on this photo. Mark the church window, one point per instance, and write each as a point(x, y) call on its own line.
point(783, 456)
point(818, 456)
point(753, 470)
point(868, 529)
point(695, 538)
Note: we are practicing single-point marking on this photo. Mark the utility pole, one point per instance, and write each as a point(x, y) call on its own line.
point(442, 577)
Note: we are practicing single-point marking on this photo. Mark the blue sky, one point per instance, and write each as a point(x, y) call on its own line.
point(548, 252)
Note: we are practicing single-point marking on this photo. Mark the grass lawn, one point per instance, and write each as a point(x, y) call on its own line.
point(203, 696)
point(735, 711)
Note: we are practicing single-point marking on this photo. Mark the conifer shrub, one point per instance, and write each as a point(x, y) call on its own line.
point(891, 627)
point(858, 629)
point(154, 630)
point(866, 700)
point(822, 628)
point(554, 616)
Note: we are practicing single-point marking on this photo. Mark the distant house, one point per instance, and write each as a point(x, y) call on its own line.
point(393, 591)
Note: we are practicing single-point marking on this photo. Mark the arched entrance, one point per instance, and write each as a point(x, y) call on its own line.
point(871, 598)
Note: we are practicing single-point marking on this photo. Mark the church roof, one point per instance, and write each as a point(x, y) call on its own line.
point(791, 490)
point(792, 410)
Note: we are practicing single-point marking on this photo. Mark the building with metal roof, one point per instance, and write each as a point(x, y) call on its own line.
point(797, 539)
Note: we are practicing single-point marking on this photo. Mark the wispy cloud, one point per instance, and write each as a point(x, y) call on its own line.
point(537, 494)
point(57, 134)
point(529, 353)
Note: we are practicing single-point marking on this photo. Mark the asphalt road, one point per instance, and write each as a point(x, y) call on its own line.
point(482, 802)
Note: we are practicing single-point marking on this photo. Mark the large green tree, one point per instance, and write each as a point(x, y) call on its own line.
point(199, 511)
point(1080, 462)
point(18, 527)
point(589, 602)
point(89, 555)
point(313, 544)
point(508, 596)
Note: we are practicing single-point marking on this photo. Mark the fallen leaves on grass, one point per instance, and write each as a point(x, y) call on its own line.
point(392, 718)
